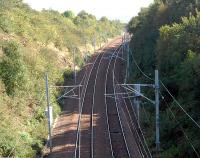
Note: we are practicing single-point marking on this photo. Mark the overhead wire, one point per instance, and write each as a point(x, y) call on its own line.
point(197, 124)
point(119, 116)
point(186, 136)
point(175, 100)
point(139, 67)
point(140, 130)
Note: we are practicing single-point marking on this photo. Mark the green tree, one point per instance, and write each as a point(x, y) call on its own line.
point(145, 28)
point(166, 36)
point(69, 14)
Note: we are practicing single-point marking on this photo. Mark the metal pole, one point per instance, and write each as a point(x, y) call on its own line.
point(48, 107)
point(74, 66)
point(157, 111)
point(122, 47)
point(137, 102)
point(128, 61)
point(79, 99)
point(127, 64)
point(124, 43)
point(124, 56)
point(79, 152)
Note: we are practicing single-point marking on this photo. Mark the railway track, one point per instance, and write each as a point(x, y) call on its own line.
point(107, 125)
point(99, 132)
point(87, 145)
point(118, 144)
point(85, 92)
point(85, 130)
point(131, 118)
point(135, 128)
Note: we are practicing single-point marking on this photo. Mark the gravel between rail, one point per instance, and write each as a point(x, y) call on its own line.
point(65, 130)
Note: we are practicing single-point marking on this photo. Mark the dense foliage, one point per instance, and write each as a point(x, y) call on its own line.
point(11, 68)
point(145, 27)
point(64, 30)
point(32, 43)
point(166, 35)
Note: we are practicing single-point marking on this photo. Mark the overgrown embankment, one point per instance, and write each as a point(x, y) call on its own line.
point(32, 43)
point(166, 36)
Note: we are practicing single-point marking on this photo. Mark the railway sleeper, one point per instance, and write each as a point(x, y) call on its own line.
point(115, 132)
point(112, 113)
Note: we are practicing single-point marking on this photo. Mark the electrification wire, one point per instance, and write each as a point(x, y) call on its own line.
point(139, 126)
point(140, 130)
point(119, 116)
point(173, 99)
point(145, 75)
point(180, 105)
point(132, 105)
point(198, 125)
point(137, 92)
point(186, 136)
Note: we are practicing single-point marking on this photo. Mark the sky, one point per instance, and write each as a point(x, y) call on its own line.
point(122, 10)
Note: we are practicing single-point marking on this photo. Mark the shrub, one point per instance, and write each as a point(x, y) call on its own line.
point(12, 69)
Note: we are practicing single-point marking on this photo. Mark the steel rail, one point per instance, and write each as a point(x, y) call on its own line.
point(107, 120)
point(93, 103)
point(118, 113)
point(83, 94)
point(119, 117)
point(130, 118)
point(144, 140)
point(134, 126)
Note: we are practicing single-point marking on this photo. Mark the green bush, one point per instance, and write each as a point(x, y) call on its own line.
point(171, 153)
point(12, 68)
point(23, 130)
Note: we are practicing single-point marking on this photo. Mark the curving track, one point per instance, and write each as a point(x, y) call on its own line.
point(92, 96)
point(103, 130)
